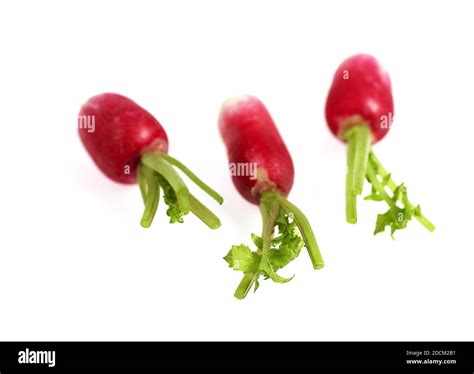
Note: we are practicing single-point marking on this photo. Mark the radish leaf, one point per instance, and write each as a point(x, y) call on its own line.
point(241, 258)
point(169, 197)
point(284, 249)
point(396, 217)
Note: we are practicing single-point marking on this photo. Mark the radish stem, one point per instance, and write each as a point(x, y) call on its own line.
point(272, 209)
point(358, 139)
point(425, 221)
point(351, 200)
point(149, 179)
point(155, 162)
point(193, 177)
point(362, 138)
point(269, 208)
point(155, 173)
point(305, 230)
point(203, 213)
point(142, 182)
point(372, 176)
point(245, 285)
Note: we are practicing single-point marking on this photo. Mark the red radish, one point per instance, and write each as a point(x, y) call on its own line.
point(243, 121)
point(359, 111)
point(127, 143)
point(360, 88)
point(254, 144)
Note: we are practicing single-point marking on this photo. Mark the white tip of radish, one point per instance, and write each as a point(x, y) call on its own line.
point(233, 101)
point(233, 104)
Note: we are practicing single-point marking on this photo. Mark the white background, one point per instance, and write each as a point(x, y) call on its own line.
point(75, 263)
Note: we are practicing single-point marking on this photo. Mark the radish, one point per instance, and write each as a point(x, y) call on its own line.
point(128, 144)
point(359, 111)
point(253, 140)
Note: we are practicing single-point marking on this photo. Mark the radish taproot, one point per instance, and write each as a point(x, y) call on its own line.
point(359, 111)
point(128, 145)
point(253, 140)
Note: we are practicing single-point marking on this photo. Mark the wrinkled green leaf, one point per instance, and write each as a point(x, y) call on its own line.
point(287, 246)
point(396, 218)
point(169, 197)
point(284, 248)
point(401, 210)
point(241, 258)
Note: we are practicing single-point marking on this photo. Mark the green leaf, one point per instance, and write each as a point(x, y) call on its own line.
point(257, 284)
point(386, 179)
point(396, 218)
point(257, 240)
point(284, 249)
point(374, 195)
point(287, 246)
point(401, 210)
point(173, 211)
point(267, 269)
point(241, 258)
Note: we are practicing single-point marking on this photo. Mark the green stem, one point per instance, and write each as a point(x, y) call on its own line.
point(269, 208)
point(372, 176)
point(152, 196)
point(245, 285)
point(142, 182)
point(358, 139)
point(305, 230)
point(381, 171)
point(351, 200)
point(378, 168)
point(425, 221)
point(193, 177)
point(203, 213)
point(155, 162)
